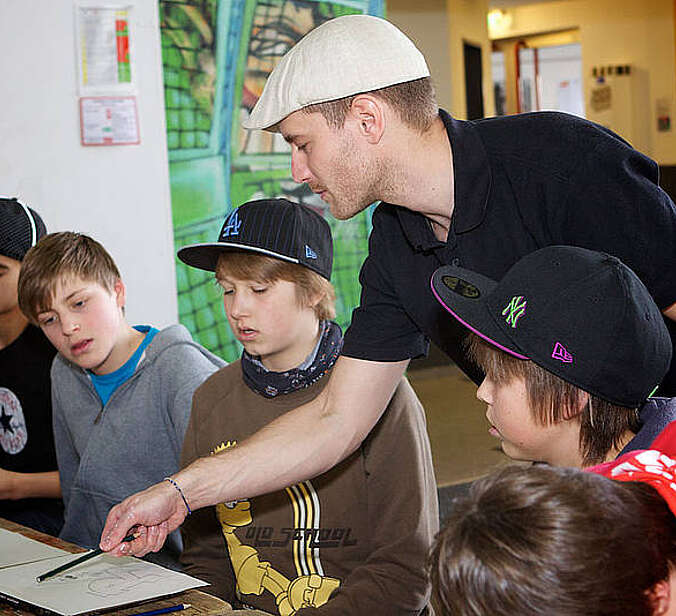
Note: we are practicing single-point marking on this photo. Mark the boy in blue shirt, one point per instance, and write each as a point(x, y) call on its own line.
point(121, 394)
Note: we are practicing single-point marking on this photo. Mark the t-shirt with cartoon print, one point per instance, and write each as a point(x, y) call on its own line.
point(353, 540)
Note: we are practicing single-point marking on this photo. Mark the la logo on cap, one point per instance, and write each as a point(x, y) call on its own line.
point(232, 225)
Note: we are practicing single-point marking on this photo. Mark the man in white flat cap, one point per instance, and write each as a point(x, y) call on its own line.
point(354, 100)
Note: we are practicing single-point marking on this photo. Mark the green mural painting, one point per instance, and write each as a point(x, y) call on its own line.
point(217, 55)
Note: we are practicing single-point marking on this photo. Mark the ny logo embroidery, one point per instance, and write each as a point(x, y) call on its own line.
point(232, 225)
point(562, 354)
point(309, 253)
point(515, 310)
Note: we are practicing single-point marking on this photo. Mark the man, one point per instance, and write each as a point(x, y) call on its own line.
point(354, 100)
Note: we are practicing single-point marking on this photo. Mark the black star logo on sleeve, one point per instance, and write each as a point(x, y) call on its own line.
point(5, 420)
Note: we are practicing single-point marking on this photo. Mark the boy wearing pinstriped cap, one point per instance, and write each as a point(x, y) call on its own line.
point(29, 482)
point(351, 540)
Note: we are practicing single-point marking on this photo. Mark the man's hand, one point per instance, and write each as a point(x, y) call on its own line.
point(302, 443)
point(155, 512)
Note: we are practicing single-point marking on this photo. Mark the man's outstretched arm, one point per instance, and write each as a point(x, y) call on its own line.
point(301, 444)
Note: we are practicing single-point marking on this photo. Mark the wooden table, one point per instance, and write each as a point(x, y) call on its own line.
point(201, 603)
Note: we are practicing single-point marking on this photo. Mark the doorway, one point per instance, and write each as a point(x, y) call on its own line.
point(538, 73)
point(474, 98)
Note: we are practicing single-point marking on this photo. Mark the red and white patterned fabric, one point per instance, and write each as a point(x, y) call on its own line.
point(655, 466)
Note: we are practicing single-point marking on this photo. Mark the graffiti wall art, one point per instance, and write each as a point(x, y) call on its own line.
point(216, 56)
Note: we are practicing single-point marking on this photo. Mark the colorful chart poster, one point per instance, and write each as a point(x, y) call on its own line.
point(104, 46)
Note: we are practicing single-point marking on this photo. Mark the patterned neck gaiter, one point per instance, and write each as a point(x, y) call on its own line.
point(318, 363)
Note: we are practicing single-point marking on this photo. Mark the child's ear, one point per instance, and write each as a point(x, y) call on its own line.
point(576, 409)
point(120, 292)
point(660, 597)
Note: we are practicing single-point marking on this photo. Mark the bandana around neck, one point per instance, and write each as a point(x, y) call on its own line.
point(316, 365)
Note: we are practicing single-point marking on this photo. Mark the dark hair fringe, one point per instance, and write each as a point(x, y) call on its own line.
point(551, 399)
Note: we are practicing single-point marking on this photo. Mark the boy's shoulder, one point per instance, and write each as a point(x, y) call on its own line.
point(31, 340)
point(405, 395)
point(178, 339)
point(220, 383)
point(655, 415)
point(404, 407)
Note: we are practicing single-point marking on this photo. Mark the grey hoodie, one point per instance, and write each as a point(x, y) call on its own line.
point(105, 453)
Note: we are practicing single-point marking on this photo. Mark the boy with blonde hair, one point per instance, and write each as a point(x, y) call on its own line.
point(352, 540)
point(121, 395)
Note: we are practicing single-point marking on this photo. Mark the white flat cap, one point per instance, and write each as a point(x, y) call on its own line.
point(341, 57)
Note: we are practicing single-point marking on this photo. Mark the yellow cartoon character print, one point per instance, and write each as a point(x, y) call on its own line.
point(255, 576)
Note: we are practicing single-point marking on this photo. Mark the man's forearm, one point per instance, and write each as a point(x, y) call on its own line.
point(300, 444)
point(297, 446)
point(253, 466)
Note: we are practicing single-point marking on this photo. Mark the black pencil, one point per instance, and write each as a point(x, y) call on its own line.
point(77, 561)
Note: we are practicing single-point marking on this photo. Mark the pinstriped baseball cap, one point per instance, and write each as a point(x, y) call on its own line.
point(273, 227)
point(20, 228)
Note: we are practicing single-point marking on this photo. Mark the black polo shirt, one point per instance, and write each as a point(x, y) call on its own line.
point(521, 182)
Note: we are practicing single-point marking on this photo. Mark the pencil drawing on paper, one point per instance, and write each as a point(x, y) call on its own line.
point(111, 581)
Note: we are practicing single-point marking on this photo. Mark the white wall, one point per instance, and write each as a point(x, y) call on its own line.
point(426, 24)
point(439, 28)
point(616, 32)
point(117, 194)
point(467, 23)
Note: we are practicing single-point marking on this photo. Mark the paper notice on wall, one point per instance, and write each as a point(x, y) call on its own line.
point(104, 49)
point(109, 120)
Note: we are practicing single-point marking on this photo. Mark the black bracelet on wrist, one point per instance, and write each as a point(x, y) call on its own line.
point(178, 488)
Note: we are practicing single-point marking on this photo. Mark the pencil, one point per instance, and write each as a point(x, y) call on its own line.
point(165, 610)
point(77, 561)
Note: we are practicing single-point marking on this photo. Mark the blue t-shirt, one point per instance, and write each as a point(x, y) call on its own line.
point(106, 384)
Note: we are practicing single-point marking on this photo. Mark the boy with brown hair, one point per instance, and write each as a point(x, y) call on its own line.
point(29, 481)
point(573, 346)
point(562, 542)
point(121, 395)
point(352, 540)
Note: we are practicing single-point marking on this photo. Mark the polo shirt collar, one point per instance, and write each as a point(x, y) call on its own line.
point(471, 181)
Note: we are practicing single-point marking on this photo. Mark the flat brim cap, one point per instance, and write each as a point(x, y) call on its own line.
point(464, 294)
point(341, 57)
point(272, 227)
point(580, 314)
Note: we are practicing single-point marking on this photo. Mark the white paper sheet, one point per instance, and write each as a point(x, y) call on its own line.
point(15, 549)
point(101, 583)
